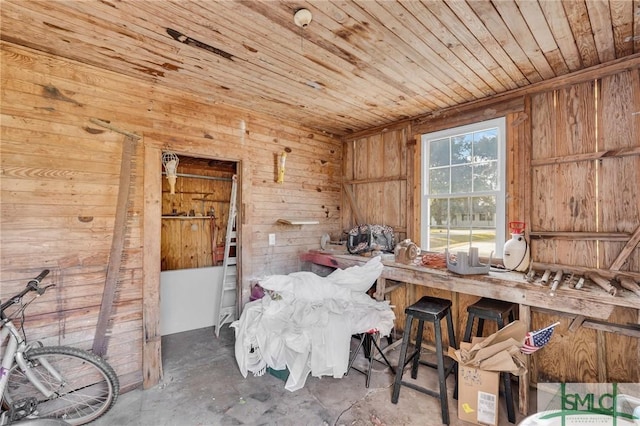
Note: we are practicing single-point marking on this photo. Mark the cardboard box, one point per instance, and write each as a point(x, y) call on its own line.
point(478, 395)
point(479, 367)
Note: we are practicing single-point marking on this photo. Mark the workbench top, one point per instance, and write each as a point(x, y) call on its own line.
point(509, 286)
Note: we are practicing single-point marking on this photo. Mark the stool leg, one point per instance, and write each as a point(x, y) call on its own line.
point(469, 328)
point(393, 370)
point(444, 402)
point(406, 335)
point(416, 357)
point(480, 326)
point(370, 339)
point(508, 397)
point(367, 345)
point(355, 354)
point(454, 344)
point(452, 334)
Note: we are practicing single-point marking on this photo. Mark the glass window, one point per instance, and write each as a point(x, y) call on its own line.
point(463, 181)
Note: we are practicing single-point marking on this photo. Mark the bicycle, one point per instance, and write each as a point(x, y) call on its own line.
point(40, 382)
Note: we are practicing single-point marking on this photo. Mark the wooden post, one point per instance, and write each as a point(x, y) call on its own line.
point(151, 349)
point(523, 390)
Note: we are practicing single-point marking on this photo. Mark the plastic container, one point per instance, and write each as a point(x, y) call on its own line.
point(516, 251)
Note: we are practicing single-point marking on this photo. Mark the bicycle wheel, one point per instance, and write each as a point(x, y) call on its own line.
point(85, 389)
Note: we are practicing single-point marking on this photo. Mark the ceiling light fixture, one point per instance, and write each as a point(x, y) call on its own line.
point(302, 18)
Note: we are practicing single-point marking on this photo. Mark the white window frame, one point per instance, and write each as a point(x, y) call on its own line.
point(500, 193)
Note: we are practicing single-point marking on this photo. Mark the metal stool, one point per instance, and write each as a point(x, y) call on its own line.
point(368, 339)
point(431, 309)
point(498, 311)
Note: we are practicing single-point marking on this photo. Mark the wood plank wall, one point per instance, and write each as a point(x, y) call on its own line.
point(573, 192)
point(375, 172)
point(60, 175)
point(551, 186)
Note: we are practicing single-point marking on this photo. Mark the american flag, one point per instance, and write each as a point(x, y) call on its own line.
point(534, 340)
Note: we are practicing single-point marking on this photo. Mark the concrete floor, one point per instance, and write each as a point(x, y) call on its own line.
point(202, 385)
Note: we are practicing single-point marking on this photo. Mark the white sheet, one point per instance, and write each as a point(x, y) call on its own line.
point(307, 328)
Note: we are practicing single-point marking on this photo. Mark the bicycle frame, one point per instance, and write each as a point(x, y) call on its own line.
point(14, 353)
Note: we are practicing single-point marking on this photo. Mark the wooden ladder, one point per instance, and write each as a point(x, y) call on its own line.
point(228, 289)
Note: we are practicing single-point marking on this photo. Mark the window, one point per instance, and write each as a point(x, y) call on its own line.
point(463, 188)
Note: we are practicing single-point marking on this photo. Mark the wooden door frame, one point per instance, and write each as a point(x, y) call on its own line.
point(151, 337)
point(152, 227)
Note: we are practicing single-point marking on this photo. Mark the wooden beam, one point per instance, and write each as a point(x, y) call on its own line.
point(613, 153)
point(376, 180)
point(577, 322)
point(151, 349)
point(626, 250)
point(601, 236)
point(352, 202)
point(625, 330)
point(524, 315)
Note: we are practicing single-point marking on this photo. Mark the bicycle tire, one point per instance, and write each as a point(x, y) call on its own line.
point(89, 389)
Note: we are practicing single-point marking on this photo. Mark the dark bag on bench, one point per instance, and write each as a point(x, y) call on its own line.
point(365, 238)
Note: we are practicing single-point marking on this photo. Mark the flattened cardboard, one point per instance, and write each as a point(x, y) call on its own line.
point(498, 352)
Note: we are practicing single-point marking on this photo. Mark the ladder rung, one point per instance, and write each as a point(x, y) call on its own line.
point(230, 270)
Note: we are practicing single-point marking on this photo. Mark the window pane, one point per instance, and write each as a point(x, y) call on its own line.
point(439, 181)
point(485, 241)
point(461, 179)
point(484, 209)
point(459, 230)
point(484, 225)
point(459, 212)
point(438, 208)
point(439, 153)
point(485, 145)
point(461, 149)
point(485, 176)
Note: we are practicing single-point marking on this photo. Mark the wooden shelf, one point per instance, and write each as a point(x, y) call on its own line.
point(187, 217)
point(298, 222)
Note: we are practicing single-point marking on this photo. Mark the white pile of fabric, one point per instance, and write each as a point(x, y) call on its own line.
point(306, 324)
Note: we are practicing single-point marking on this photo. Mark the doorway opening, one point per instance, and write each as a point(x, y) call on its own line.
point(194, 228)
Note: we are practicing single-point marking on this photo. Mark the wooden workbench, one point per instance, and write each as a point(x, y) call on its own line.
point(507, 286)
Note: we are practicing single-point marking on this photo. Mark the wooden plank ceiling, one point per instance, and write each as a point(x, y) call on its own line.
point(357, 65)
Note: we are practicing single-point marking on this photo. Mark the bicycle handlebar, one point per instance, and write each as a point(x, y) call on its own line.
point(32, 285)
